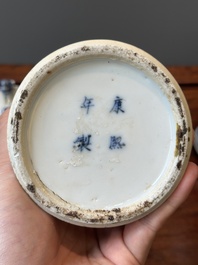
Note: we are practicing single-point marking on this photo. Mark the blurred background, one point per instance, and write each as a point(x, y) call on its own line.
point(168, 30)
point(30, 30)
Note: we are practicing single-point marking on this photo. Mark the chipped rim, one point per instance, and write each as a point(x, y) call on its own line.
point(23, 168)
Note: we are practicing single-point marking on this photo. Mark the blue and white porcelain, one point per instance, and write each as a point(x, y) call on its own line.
point(99, 133)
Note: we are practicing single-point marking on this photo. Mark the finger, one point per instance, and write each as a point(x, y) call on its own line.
point(138, 236)
point(3, 128)
point(5, 165)
point(157, 218)
point(112, 246)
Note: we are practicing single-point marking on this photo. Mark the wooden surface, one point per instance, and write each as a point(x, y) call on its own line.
point(177, 242)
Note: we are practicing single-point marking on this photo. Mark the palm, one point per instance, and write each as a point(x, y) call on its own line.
point(47, 240)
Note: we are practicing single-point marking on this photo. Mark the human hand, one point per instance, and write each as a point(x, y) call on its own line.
point(28, 235)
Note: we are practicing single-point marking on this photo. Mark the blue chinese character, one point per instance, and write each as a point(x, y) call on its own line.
point(117, 105)
point(82, 142)
point(87, 104)
point(115, 143)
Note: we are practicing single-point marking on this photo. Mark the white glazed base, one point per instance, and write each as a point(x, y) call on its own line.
point(99, 140)
point(101, 178)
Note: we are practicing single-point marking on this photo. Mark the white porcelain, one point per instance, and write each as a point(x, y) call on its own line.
point(99, 133)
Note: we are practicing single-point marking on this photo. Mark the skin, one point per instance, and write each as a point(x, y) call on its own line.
point(28, 235)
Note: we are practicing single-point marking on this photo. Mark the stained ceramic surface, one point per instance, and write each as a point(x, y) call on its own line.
point(93, 126)
point(99, 133)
